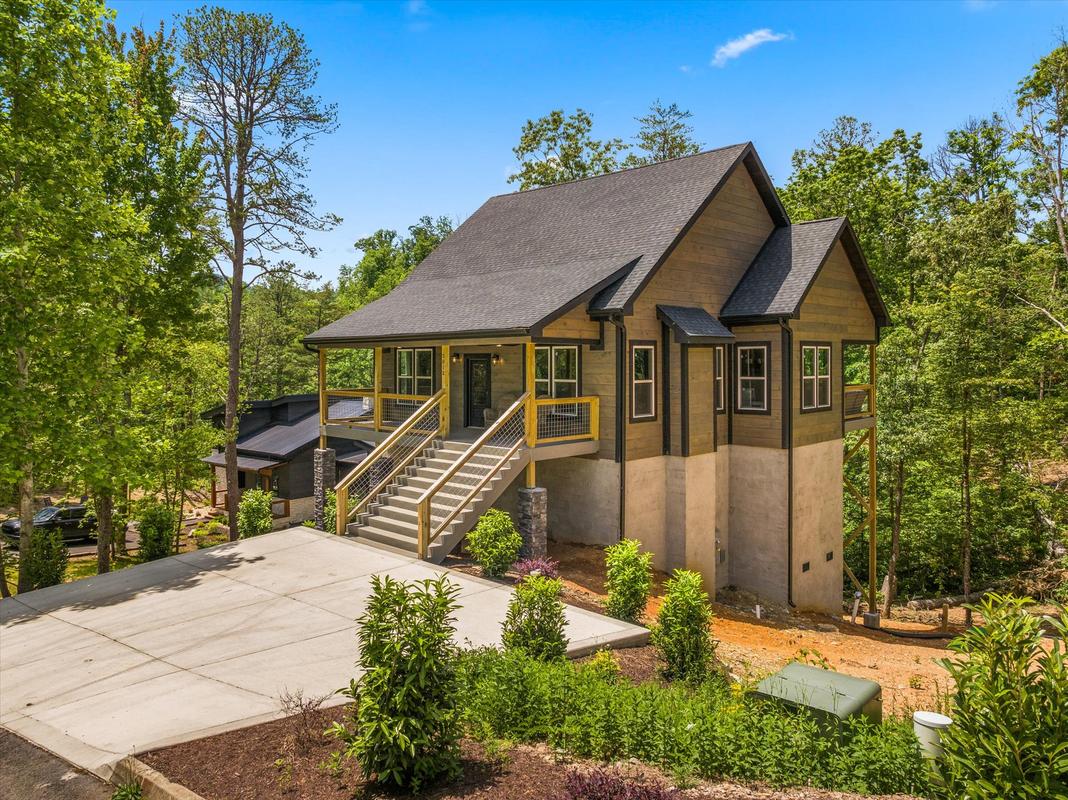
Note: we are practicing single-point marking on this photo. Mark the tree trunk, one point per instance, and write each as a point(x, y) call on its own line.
point(896, 500)
point(26, 520)
point(105, 503)
point(966, 496)
point(233, 386)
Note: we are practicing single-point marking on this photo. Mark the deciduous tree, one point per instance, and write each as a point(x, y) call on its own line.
point(558, 148)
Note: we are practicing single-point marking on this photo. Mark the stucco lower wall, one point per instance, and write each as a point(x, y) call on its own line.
point(722, 458)
point(583, 497)
point(758, 508)
point(700, 479)
point(817, 533)
point(646, 499)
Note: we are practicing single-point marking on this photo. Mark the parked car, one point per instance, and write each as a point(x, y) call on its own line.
point(72, 521)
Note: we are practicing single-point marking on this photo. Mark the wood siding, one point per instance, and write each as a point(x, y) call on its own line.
point(702, 271)
point(575, 324)
point(834, 311)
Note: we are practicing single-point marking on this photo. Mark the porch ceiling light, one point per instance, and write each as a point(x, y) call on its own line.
point(497, 359)
point(457, 358)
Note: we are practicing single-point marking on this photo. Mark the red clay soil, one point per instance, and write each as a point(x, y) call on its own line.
point(750, 649)
point(266, 762)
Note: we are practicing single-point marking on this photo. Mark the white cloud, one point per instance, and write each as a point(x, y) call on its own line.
point(735, 47)
point(685, 68)
point(979, 5)
point(416, 8)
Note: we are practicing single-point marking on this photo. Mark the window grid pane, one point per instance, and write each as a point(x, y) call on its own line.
point(752, 377)
point(643, 381)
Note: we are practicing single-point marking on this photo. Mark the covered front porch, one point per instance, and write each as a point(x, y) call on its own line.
point(472, 385)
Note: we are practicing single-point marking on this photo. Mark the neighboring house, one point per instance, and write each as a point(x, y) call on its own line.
point(655, 353)
point(275, 443)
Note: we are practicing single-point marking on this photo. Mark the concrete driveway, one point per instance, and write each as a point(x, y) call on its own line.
point(204, 642)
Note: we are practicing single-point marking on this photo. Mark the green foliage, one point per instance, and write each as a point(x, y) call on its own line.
point(1009, 736)
point(158, 527)
point(557, 148)
point(709, 731)
point(254, 513)
point(46, 563)
point(128, 791)
point(665, 133)
point(330, 511)
point(628, 579)
point(681, 635)
point(535, 620)
point(495, 542)
point(405, 727)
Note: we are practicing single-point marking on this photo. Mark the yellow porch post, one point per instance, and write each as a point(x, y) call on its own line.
point(377, 388)
point(446, 366)
point(532, 414)
point(323, 410)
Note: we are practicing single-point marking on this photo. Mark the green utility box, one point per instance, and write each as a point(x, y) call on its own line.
point(828, 695)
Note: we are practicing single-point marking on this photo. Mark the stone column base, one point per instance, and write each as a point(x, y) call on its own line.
point(533, 521)
point(324, 471)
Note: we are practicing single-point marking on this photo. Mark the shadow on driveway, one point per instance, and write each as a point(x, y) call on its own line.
point(28, 771)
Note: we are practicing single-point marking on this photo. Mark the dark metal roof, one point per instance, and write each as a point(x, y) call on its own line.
point(282, 441)
point(693, 325)
point(243, 462)
point(524, 257)
point(779, 278)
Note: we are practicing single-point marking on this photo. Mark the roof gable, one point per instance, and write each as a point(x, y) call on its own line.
point(525, 257)
point(780, 277)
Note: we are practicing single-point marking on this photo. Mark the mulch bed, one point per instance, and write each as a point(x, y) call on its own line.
point(279, 761)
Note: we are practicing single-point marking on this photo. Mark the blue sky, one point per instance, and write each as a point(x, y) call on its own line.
point(431, 95)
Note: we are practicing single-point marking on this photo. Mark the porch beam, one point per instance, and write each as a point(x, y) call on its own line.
point(377, 388)
point(531, 411)
point(872, 489)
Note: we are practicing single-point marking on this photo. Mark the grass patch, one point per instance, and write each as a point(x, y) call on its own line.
point(77, 568)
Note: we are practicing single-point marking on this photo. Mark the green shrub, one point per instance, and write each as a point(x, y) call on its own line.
point(330, 512)
point(605, 665)
point(405, 726)
point(681, 636)
point(535, 621)
point(710, 731)
point(128, 791)
point(628, 579)
point(157, 529)
point(254, 513)
point(48, 558)
point(1009, 736)
point(495, 542)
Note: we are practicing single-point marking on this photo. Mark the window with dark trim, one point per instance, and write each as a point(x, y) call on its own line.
point(720, 379)
point(556, 371)
point(752, 377)
point(415, 371)
point(815, 377)
point(643, 380)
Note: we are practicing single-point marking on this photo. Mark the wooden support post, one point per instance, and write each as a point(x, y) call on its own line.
point(446, 366)
point(342, 511)
point(324, 412)
point(376, 390)
point(531, 413)
point(873, 566)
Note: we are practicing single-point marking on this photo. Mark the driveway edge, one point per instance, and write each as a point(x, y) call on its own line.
point(154, 785)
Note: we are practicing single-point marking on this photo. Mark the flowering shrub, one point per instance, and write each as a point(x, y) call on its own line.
point(546, 567)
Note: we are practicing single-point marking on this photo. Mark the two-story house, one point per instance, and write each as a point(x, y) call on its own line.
point(656, 353)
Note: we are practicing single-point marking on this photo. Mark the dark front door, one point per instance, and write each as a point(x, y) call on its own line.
point(476, 390)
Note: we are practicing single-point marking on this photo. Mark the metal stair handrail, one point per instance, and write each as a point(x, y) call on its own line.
point(430, 529)
point(394, 454)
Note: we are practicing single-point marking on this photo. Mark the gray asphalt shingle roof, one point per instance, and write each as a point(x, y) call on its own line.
point(523, 256)
point(693, 325)
point(776, 282)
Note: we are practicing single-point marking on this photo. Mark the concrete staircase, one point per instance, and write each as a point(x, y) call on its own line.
point(391, 520)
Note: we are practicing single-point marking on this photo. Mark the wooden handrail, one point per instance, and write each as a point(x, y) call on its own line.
point(471, 451)
point(563, 401)
point(402, 429)
point(350, 392)
point(426, 535)
point(395, 396)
